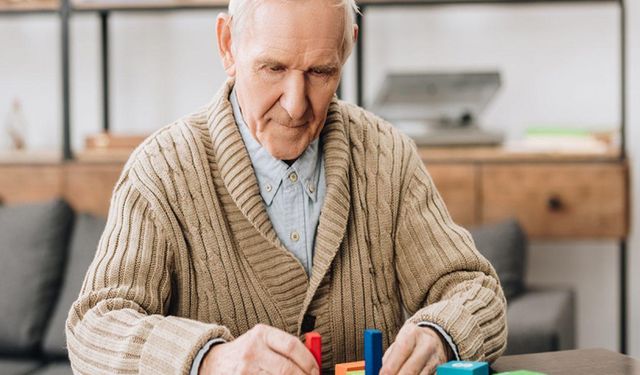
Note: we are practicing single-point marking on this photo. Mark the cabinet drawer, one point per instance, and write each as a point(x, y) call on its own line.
point(29, 183)
point(558, 200)
point(88, 187)
point(458, 187)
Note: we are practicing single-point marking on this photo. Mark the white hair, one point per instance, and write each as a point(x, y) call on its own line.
point(239, 9)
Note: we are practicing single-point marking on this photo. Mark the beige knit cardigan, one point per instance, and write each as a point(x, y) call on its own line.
point(189, 253)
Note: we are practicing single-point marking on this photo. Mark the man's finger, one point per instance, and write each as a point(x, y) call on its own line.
point(271, 362)
point(290, 347)
point(403, 347)
point(387, 353)
point(422, 355)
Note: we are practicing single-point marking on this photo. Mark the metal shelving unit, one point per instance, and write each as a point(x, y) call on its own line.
point(59, 8)
point(65, 9)
point(104, 10)
point(360, 64)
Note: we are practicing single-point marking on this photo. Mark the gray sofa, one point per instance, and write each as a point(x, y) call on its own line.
point(45, 249)
point(539, 320)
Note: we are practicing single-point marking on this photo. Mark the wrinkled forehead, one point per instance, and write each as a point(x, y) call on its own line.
point(315, 23)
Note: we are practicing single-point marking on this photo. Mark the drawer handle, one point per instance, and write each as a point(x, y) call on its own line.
point(555, 204)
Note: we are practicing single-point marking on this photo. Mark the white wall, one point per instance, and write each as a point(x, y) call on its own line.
point(559, 65)
point(29, 66)
point(633, 135)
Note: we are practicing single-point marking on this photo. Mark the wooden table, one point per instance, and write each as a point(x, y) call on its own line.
point(571, 362)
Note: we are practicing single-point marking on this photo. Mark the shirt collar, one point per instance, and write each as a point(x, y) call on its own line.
point(270, 172)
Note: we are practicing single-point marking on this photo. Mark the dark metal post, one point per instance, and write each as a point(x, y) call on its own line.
point(623, 156)
point(623, 79)
point(104, 44)
point(623, 296)
point(359, 57)
point(65, 13)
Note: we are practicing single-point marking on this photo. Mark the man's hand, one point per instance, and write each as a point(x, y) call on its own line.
point(261, 350)
point(417, 350)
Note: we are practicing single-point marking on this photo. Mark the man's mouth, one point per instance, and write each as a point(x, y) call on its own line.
point(292, 125)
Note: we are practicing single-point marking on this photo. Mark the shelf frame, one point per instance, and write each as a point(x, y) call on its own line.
point(67, 9)
point(622, 245)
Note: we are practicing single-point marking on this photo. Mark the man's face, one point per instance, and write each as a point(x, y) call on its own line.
point(287, 63)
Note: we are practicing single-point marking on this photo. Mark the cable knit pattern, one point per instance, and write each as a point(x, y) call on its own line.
point(189, 253)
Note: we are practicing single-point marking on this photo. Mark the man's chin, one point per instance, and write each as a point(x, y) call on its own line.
point(288, 154)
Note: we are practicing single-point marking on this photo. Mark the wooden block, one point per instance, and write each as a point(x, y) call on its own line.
point(372, 351)
point(463, 368)
point(313, 342)
point(351, 368)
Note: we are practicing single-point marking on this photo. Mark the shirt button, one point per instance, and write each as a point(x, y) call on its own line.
point(295, 236)
point(293, 177)
point(268, 187)
point(312, 188)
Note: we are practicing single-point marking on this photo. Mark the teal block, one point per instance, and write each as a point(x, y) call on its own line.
point(463, 368)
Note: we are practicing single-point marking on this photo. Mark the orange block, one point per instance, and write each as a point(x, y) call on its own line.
point(347, 368)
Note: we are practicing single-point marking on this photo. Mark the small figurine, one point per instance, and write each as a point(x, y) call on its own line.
point(16, 126)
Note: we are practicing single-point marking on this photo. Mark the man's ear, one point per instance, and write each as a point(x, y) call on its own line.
point(356, 29)
point(223, 33)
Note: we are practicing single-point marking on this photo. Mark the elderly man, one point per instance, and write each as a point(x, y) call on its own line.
point(277, 210)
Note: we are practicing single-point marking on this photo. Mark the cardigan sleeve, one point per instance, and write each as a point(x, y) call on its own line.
point(443, 278)
point(119, 322)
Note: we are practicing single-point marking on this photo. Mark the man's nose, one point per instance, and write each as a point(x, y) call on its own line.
point(294, 97)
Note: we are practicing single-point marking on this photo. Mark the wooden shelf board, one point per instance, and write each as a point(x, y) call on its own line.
point(471, 2)
point(30, 157)
point(103, 156)
point(142, 5)
point(32, 6)
point(499, 154)
point(123, 5)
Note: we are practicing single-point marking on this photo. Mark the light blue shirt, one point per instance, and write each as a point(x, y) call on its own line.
point(293, 196)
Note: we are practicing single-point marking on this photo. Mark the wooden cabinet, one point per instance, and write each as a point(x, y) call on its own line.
point(569, 200)
point(20, 183)
point(553, 196)
point(458, 184)
point(86, 186)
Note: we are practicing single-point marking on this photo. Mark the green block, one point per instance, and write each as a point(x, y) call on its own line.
point(463, 368)
point(359, 372)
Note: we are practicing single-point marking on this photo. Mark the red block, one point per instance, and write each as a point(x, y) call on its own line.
point(313, 342)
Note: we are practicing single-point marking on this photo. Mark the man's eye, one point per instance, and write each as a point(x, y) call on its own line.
point(320, 72)
point(276, 69)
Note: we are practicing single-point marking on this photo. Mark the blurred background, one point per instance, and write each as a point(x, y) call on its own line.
point(557, 112)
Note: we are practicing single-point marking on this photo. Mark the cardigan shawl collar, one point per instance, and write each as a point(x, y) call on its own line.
point(239, 178)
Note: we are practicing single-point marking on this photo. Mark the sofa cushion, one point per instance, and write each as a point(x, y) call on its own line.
point(55, 368)
point(33, 245)
point(541, 321)
point(504, 244)
point(17, 366)
point(84, 242)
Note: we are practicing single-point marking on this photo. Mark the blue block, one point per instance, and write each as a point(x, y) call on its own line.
point(372, 351)
point(463, 368)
